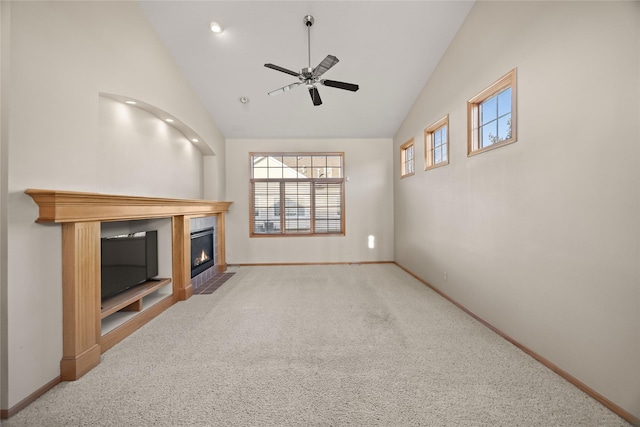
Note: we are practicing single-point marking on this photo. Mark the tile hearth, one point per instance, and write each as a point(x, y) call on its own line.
point(211, 284)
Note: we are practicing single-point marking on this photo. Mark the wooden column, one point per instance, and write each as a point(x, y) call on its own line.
point(80, 299)
point(181, 259)
point(222, 261)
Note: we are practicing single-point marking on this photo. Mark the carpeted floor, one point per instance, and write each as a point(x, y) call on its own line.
point(335, 345)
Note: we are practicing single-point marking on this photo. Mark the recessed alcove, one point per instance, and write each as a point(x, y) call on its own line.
point(115, 311)
point(190, 134)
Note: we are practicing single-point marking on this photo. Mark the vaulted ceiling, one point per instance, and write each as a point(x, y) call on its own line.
point(388, 48)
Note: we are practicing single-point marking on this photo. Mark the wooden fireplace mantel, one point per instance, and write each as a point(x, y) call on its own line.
point(74, 206)
point(80, 215)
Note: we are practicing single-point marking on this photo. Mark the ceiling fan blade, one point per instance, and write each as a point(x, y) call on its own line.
point(315, 96)
point(340, 85)
point(326, 63)
point(279, 68)
point(284, 89)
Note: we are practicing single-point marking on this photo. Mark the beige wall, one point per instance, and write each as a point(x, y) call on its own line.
point(4, 28)
point(153, 151)
point(368, 205)
point(61, 135)
point(539, 238)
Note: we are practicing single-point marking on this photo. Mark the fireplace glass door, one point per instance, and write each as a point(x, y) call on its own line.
point(202, 255)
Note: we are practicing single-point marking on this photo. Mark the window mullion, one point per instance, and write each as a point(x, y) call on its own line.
point(312, 208)
point(282, 208)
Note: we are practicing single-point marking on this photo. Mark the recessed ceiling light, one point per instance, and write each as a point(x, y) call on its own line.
point(168, 120)
point(216, 27)
point(195, 140)
point(130, 102)
point(244, 99)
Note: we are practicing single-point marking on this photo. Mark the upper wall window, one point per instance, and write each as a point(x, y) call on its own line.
point(491, 116)
point(436, 144)
point(297, 194)
point(407, 159)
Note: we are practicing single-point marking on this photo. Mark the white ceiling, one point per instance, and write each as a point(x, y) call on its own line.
point(388, 48)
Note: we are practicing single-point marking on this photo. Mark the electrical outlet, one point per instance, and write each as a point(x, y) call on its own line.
point(445, 276)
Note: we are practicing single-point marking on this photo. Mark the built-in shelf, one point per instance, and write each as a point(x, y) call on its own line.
point(118, 318)
point(131, 299)
point(126, 312)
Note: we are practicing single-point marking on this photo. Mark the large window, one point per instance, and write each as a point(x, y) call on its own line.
point(492, 116)
point(436, 144)
point(407, 159)
point(297, 194)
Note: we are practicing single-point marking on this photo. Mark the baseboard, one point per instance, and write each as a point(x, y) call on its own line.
point(273, 264)
point(6, 413)
point(74, 367)
point(550, 365)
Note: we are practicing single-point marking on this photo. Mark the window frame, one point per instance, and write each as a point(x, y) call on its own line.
point(429, 141)
point(473, 114)
point(404, 162)
point(283, 202)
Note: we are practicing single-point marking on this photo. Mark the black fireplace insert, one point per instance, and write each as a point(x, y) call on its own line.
point(202, 255)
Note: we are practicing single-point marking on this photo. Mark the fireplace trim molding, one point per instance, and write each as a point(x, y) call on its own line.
point(80, 214)
point(74, 206)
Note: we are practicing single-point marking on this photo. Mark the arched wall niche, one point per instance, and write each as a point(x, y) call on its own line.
point(191, 135)
point(143, 150)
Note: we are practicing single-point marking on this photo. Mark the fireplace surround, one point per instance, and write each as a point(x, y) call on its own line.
point(80, 215)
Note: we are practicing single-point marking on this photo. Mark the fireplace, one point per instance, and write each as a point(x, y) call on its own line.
point(202, 251)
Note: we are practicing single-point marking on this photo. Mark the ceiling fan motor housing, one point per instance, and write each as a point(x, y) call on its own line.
point(306, 73)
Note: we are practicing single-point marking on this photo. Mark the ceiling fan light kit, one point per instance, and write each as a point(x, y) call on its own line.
point(309, 76)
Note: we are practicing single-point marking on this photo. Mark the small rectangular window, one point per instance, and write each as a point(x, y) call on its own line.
point(407, 159)
point(491, 116)
point(436, 144)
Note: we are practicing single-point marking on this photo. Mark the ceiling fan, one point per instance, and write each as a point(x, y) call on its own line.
point(311, 76)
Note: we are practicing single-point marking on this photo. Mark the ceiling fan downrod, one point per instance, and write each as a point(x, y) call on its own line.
point(308, 21)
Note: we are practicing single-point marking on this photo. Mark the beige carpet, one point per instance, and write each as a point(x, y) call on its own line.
point(332, 345)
